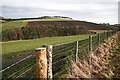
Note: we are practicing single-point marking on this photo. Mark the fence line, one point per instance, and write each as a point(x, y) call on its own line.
point(82, 47)
point(75, 51)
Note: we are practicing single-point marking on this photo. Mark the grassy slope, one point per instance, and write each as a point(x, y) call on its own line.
point(13, 24)
point(52, 19)
point(23, 45)
point(22, 23)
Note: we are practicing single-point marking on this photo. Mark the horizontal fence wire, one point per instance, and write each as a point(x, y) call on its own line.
point(95, 42)
point(83, 49)
point(28, 71)
point(14, 69)
point(61, 47)
point(19, 71)
point(61, 65)
point(62, 56)
point(55, 53)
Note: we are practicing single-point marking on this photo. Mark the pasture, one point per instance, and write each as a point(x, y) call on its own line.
point(11, 47)
point(13, 24)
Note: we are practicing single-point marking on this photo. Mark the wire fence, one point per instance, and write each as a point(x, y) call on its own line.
point(61, 56)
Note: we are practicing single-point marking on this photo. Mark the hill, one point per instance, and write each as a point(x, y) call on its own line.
point(18, 23)
point(32, 28)
point(50, 20)
point(88, 25)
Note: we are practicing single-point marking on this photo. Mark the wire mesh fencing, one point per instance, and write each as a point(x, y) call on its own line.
point(62, 56)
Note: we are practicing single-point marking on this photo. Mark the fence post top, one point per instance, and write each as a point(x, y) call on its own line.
point(90, 36)
point(49, 48)
point(37, 49)
point(44, 45)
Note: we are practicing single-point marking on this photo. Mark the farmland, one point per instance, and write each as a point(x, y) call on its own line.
point(19, 55)
point(25, 47)
point(39, 28)
point(13, 24)
point(22, 23)
point(54, 21)
point(22, 45)
point(60, 55)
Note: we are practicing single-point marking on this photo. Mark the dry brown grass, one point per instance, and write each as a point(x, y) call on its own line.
point(99, 66)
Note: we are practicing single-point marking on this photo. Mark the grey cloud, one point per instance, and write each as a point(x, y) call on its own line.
point(104, 12)
point(119, 12)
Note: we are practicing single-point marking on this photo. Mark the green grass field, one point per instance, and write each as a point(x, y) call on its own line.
point(24, 45)
point(13, 24)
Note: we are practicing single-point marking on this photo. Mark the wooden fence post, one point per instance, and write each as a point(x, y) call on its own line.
point(90, 52)
point(107, 34)
point(76, 53)
point(99, 39)
point(90, 44)
point(104, 35)
point(49, 56)
point(41, 64)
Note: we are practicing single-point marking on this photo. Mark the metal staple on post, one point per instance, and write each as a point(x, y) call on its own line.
point(49, 56)
point(76, 53)
point(41, 63)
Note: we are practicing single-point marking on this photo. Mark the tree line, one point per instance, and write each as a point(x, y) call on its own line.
point(41, 31)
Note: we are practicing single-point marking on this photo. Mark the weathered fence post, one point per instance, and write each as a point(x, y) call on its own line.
point(76, 52)
point(90, 51)
point(49, 56)
point(99, 39)
point(41, 63)
point(90, 44)
point(105, 35)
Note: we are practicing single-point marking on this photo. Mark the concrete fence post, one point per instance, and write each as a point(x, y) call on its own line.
point(76, 53)
point(41, 63)
point(49, 56)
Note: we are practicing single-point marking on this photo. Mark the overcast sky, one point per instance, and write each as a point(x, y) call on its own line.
point(99, 11)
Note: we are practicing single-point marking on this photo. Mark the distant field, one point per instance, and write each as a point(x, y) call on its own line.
point(2, 21)
point(22, 23)
point(24, 45)
point(52, 19)
point(12, 25)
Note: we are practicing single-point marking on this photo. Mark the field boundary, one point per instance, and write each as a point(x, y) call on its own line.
point(63, 54)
